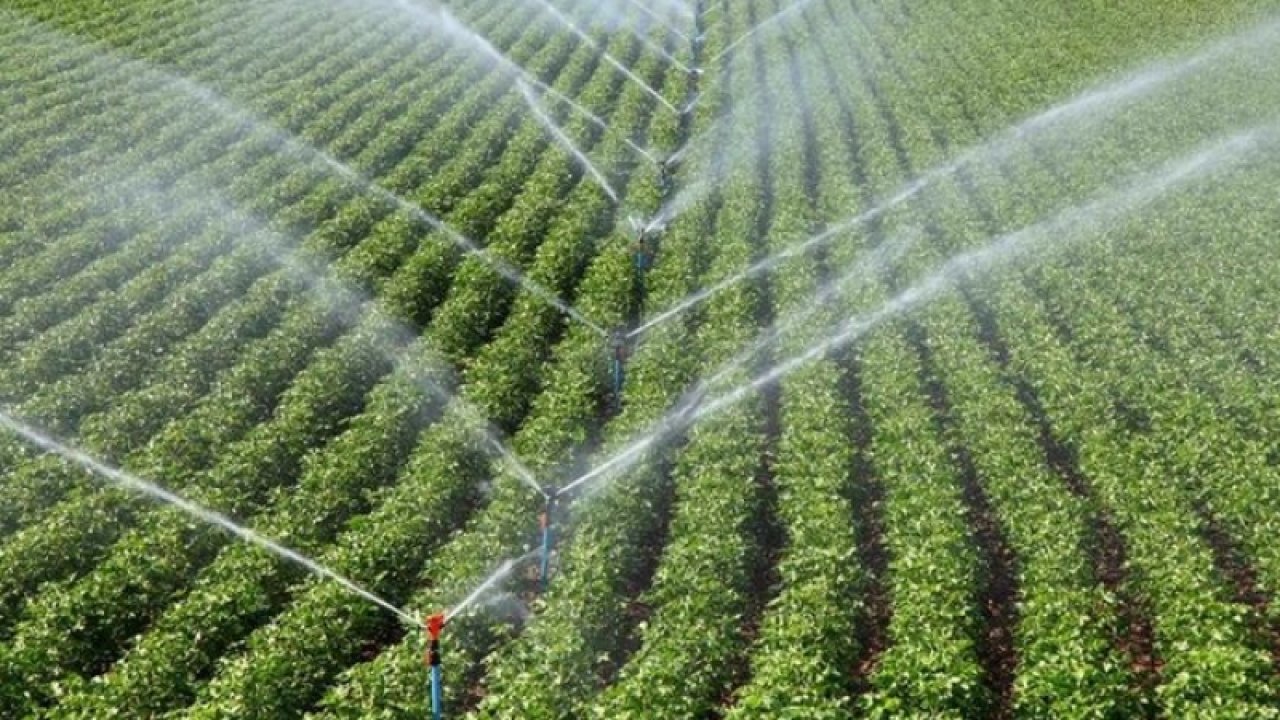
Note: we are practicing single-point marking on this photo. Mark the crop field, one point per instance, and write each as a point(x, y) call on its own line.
point(630, 359)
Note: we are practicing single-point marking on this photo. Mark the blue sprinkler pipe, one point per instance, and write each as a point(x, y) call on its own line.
point(544, 565)
point(618, 344)
point(437, 692)
point(644, 251)
point(435, 624)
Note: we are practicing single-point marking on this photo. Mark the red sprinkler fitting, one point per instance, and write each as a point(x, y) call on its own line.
point(435, 625)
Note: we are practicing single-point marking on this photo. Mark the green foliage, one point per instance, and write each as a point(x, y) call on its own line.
point(1111, 417)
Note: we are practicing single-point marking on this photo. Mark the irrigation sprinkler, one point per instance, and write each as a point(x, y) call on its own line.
point(434, 626)
point(644, 249)
point(618, 353)
point(665, 170)
point(687, 110)
point(669, 165)
point(546, 521)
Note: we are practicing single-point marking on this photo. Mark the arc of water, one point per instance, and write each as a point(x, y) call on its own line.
point(497, 576)
point(1010, 247)
point(604, 54)
point(859, 272)
point(1092, 107)
point(661, 20)
point(661, 52)
point(591, 117)
point(619, 461)
point(315, 274)
point(564, 141)
point(766, 264)
point(773, 19)
point(291, 145)
point(139, 485)
point(678, 156)
point(1142, 191)
point(490, 435)
point(506, 270)
point(440, 18)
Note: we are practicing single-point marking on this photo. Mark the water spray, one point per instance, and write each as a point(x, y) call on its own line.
point(606, 56)
point(139, 485)
point(585, 113)
point(763, 24)
point(660, 20)
point(439, 18)
point(665, 170)
point(565, 142)
point(1002, 252)
point(766, 264)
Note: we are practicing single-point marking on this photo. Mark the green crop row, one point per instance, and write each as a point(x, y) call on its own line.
point(241, 574)
point(402, 238)
point(157, 586)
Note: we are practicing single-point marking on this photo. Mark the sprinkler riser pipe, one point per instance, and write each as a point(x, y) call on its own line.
point(434, 625)
point(437, 688)
point(544, 567)
point(618, 353)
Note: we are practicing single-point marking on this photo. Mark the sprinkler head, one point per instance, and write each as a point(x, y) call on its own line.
point(544, 518)
point(435, 625)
